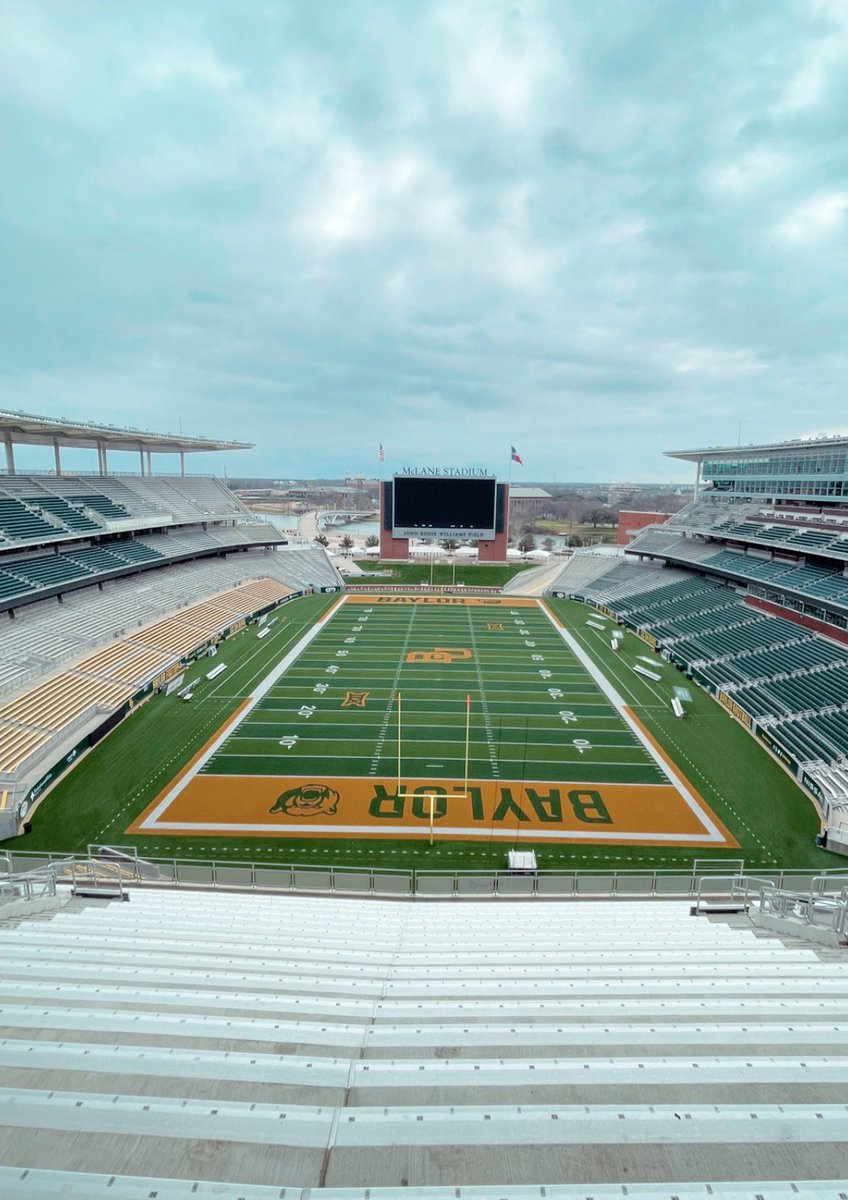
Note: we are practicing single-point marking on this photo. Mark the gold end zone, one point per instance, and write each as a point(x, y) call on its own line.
point(497, 810)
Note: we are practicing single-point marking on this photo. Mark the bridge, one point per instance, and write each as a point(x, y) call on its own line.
point(328, 518)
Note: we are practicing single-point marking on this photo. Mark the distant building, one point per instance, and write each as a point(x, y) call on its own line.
point(528, 501)
point(631, 522)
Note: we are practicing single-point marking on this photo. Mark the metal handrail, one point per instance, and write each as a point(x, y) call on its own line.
point(739, 883)
point(437, 882)
point(807, 908)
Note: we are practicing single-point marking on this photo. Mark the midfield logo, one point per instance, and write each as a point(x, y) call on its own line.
point(439, 654)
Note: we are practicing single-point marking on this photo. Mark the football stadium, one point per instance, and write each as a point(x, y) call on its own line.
point(328, 889)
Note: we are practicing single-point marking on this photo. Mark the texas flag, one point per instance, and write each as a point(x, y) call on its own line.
point(516, 457)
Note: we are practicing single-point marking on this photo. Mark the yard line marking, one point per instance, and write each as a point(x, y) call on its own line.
point(487, 722)
point(384, 728)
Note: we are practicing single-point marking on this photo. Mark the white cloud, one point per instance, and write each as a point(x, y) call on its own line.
point(179, 62)
point(714, 361)
point(749, 172)
point(356, 196)
point(814, 219)
point(821, 57)
point(498, 58)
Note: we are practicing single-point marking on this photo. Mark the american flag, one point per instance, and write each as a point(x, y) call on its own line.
point(381, 454)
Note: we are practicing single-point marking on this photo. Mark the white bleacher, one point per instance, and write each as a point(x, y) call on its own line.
point(666, 542)
point(582, 570)
point(442, 1049)
point(631, 580)
point(187, 498)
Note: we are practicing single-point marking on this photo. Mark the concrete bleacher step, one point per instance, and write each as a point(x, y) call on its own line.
point(656, 1032)
point(16, 1184)
point(329, 1043)
point(415, 1074)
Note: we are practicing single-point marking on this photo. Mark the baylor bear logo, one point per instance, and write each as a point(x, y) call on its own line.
point(309, 800)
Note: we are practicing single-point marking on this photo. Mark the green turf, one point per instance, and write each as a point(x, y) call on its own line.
point(516, 730)
point(772, 819)
point(470, 574)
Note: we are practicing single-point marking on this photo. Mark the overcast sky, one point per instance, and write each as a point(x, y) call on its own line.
point(593, 230)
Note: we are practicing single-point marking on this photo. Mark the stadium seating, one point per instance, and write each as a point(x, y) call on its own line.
point(740, 521)
point(40, 507)
point(580, 571)
point(103, 681)
point(71, 516)
point(24, 576)
point(329, 1043)
point(18, 523)
point(35, 642)
point(783, 675)
point(815, 582)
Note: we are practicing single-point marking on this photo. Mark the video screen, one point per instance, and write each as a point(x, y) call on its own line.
point(441, 507)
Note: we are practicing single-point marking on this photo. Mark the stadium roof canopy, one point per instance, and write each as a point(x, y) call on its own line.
point(20, 428)
point(736, 451)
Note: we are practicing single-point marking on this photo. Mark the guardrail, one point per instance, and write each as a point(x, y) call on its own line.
point(123, 864)
point(824, 912)
point(741, 888)
point(29, 885)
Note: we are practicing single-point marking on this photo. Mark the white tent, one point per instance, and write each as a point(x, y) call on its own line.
point(372, 551)
point(467, 552)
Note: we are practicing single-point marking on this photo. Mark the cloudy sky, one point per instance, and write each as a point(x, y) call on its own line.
point(594, 230)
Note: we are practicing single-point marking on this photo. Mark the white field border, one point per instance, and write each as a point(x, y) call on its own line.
point(712, 835)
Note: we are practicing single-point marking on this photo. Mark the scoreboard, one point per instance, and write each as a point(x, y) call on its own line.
point(438, 506)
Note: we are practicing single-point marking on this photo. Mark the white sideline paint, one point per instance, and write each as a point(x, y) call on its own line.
point(713, 834)
point(263, 688)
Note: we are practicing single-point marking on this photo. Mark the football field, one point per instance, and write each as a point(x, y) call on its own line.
point(450, 717)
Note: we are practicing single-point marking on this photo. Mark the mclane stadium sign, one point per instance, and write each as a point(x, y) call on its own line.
point(447, 472)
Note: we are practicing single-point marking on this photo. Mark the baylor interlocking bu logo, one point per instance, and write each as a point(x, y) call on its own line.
point(309, 800)
point(439, 654)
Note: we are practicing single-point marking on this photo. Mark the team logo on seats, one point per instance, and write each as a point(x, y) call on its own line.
point(309, 800)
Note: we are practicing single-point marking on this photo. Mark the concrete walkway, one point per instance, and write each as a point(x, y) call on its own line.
point(307, 524)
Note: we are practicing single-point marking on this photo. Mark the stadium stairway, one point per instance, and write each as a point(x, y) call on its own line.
point(272, 1044)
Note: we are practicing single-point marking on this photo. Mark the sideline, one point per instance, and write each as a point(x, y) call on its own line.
point(195, 766)
point(695, 802)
